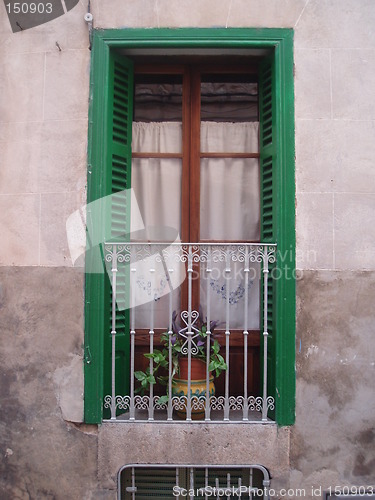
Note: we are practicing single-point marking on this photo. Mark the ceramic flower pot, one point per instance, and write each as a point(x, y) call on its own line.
point(197, 387)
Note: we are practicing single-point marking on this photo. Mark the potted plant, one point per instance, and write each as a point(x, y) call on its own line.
point(179, 354)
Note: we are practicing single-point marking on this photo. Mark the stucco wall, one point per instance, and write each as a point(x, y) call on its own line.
point(43, 141)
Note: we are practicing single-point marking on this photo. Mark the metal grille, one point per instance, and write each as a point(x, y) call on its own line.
point(172, 260)
point(141, 482)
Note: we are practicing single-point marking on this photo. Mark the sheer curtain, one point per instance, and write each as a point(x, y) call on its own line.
point(229, 210)
point(157, 181)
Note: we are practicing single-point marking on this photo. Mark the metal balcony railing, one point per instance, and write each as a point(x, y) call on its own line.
point(163, 286)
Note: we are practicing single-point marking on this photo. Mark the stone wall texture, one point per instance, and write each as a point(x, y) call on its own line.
point(47, 453)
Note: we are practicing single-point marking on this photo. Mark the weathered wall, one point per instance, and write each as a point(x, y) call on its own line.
point(43, 140)
point(41, 335)
point(332, 442)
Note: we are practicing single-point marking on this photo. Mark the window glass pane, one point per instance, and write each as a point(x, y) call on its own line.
point(224, 137)
point(157, 188)
point(228, 98)
point(158, 98)
point(154, 298)
point(220, 284)
point(157, 137)
point(230, 201)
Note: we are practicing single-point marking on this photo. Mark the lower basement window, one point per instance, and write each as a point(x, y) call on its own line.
point(138, 482)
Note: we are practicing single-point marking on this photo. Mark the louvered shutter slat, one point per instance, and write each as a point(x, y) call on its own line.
point(119, 159)
point(268, 202)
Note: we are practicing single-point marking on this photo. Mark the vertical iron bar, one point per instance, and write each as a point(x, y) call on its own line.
point(133, 484)
point(170, 408)
point(228, 485)
point(206, 482)
point(189, 333)
point(178, 478)
point(132, 336)
point(217, 484)
point(245, 337)
point(151, 333)
point(265, 327)
point(208, 340)
point(239, 483)
point(227, 332)
point(113, 331)
point(191, 483)
point(251, 484)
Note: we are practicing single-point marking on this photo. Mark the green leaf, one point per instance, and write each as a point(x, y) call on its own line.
point(220, 358)
point(216, 347)
point(211, 366)
point(140, 375)
point(146, 382)
point(164, 337)
point(163, 399)
point(163, 363)
point(149, 355)
point(153, 355)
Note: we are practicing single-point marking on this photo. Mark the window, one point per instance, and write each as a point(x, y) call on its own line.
point(262, 58)
point(167, 482)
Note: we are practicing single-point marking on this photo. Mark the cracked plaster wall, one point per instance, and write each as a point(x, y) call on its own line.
point(43, 140)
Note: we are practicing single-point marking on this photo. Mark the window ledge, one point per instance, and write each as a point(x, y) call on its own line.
point(189, 443)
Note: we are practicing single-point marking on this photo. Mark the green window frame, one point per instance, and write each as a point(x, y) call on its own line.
point(109, 163)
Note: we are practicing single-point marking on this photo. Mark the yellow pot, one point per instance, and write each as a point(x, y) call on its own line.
point(197, 388)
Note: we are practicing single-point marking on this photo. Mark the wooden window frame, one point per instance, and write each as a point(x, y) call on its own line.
point(191, 156)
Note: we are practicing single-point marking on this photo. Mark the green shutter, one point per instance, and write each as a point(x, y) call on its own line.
point(120, 112)
point(278, 222)
point(268, 161)
point(109, 174)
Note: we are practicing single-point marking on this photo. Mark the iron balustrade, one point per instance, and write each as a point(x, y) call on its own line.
point(171, 264)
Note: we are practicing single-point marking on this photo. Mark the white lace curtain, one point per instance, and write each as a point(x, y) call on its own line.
point(229, 207)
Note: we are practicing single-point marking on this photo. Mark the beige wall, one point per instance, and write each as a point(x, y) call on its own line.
point(44, 104)
point(43, 137)
point(43, 141)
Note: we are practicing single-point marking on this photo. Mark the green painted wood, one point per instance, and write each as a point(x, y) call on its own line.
point(119, 128)
point(109, 174)
point(268, 233)
point(195, 37)
point(285, 207)
point(94, 285)
point(278, 43)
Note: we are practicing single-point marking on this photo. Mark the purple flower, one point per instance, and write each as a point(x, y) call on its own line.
point(213, 325)
point(176, 326)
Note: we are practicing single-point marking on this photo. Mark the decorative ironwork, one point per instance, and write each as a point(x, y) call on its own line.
point(179, 403)
point(189, 332)
point(159, 258)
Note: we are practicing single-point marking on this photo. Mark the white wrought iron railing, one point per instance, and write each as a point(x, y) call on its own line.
point(148, 279)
